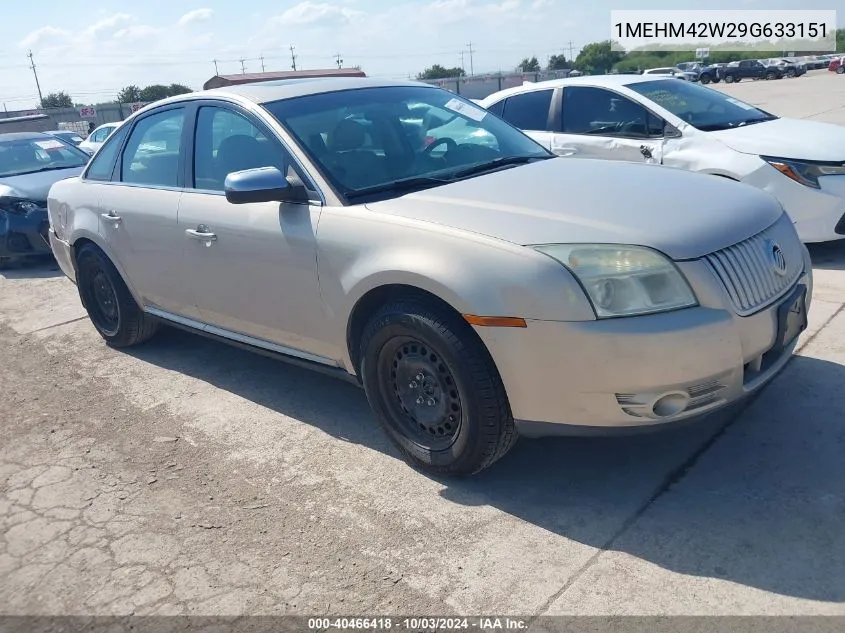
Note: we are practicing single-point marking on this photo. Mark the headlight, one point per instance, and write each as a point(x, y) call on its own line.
point(623, 280)
point(806, 173)
point(18, 206)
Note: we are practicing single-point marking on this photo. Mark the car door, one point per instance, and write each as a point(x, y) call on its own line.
point(531, 112)
point(600, 123)
point(138, 209)
point(252, 267)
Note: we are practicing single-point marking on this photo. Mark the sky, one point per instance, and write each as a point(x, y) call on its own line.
point(93, 49)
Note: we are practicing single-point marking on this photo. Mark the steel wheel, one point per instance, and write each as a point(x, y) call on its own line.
point(424, 401)
point(100, 298)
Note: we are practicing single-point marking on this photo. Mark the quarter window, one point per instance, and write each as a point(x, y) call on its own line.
point(103, 162)
point(599, 112)
point(227, 141)
point(151, 156)
point(529, 110)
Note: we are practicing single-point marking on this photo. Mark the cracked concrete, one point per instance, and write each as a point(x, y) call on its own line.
point(185, 477)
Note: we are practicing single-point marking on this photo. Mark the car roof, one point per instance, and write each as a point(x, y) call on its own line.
point(267, 91)
point(598, 81)
point(21, 136)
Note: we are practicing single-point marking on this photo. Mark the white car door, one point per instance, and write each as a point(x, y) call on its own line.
point(532, 112)
point(600, 123)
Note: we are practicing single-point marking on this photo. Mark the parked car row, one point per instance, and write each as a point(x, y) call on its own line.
point(423, 247)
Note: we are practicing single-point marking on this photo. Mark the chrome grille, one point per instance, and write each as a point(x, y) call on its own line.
point(747, 269)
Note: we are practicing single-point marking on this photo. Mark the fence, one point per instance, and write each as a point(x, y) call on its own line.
point(480, 86)
point(105, 113)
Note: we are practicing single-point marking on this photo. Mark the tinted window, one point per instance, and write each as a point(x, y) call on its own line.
point(529, 110)
point(498, 108)
point(151, 156)
point(373, 137)
point(103, 162)
point(38, 153)
point(600, 112)
point(227, 141)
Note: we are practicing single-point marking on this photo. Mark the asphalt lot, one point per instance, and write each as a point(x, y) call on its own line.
point(185, 476)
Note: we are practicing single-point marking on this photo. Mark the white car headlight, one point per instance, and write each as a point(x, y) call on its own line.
point(623, 280)
point(806, 173)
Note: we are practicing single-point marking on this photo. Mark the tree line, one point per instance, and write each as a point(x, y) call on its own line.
point(129, 94)
point(599, 58)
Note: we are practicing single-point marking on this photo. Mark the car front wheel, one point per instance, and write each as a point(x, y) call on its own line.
point(435, 389)
point(110, 305)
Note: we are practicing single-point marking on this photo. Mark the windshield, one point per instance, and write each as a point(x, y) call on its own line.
point(703, 108)
point(29, 155)
point(388, 141)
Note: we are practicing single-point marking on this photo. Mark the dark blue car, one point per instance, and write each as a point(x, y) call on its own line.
point(30, 162)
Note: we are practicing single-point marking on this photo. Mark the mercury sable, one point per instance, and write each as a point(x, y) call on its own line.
point(477, 290)
point(681, 124)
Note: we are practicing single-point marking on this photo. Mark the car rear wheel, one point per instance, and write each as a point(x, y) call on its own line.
point(729, 79)
point(110, 305)
point(771, 76)
point(705, 79)
point(840, 70)
point(435, 389)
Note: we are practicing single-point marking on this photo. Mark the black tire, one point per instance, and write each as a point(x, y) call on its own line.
point(110, 305)
point(770, 76)
point(840, 70)
point(5, 262)
point(412, 349)
point(729, 79)
point(704, 79)
point(716, 80)
point(791, 74)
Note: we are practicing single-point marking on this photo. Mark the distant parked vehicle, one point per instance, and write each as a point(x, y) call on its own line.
point(836, 65)
point(97, 137)
point(790, 68)
point(30, 163)
point(749, 69)
point(66, 135)
point(710, 74)
point(671, 71)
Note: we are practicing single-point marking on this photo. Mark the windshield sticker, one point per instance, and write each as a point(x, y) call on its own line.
point(476, 114)
point(51, 144)
point(740, 104)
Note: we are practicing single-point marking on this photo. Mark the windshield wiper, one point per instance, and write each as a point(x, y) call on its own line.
point(54, 168)
point(715, 127)
point(415, 182)
point(761, 119)
point(495, 163)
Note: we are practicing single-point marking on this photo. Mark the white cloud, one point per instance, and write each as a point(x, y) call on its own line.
point(316, 14)
point(108, 26)
point(44, 35)
point(197, 15)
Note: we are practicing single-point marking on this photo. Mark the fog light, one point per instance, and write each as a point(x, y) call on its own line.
point(670, 404)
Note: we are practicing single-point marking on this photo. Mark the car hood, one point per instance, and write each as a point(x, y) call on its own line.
point(682, 214)
point(35, 186)
point(788, 138)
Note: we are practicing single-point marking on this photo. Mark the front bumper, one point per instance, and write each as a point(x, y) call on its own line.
point(603, 376)
point(25, 234)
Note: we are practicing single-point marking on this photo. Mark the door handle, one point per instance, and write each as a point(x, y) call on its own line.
point(111, 216)
point(201, 233)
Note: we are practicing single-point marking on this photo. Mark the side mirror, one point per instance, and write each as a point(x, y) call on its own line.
point(263, 184)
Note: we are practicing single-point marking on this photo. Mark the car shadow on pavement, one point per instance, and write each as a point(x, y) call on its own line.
point(758, 501)
point(828, 255)
point(34, 268)
point(762, 506)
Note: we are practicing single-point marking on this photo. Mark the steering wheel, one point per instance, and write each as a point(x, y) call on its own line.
point(448, 142)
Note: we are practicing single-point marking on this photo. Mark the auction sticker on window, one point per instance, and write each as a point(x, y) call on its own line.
point(49, 144)
point(456, 105)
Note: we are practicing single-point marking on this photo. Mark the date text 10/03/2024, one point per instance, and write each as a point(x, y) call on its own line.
point(418, 624)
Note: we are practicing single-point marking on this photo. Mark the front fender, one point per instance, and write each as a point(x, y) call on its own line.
point(361, 250)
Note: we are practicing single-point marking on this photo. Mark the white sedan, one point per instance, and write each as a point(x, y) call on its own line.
point(97, 137)
point(681, 124)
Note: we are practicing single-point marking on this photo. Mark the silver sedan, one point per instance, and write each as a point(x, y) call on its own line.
point(476, 286)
